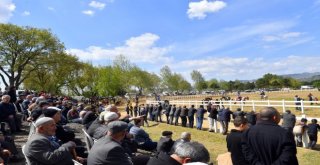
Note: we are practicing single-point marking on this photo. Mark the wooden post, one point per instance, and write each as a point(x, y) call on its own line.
point(283, 106)
point(253, 106)
point(302, 106)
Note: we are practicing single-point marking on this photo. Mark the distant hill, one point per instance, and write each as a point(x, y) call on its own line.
point(304, 76)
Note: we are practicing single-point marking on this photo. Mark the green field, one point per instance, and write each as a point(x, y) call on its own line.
point(216, 143)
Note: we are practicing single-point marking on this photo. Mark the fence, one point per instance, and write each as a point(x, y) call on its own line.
point(283, 104)
point(228, 93)
point(301, 105)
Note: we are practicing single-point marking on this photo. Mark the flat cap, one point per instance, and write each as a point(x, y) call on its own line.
point(110, 116)
point(166, 133)
point(117, 126)
point(43, 120)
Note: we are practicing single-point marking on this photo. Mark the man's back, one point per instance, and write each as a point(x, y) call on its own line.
point(107, 151)
point(268, 143)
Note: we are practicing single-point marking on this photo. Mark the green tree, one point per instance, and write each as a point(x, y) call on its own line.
point(213, 84)
point(52, 76)
point(21, 50)
point(199, 82)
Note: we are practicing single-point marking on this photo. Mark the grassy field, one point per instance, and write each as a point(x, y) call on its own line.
point(216, 143)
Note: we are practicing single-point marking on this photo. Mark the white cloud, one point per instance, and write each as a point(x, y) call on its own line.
point(139, 49)
point(26, 13)
point(281, 37)
point(232, 38)
point(51, 8)
point(97, 5)
point(88, 12)
point(200, 9)
point(7, 8)
point(244, 68)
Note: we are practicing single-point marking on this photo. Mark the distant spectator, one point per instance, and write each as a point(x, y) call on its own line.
point(191, 113)
point(225, 119)
point(212, 118)
point(73, 115)
point(183, 116)
point(297, 100)
point(313, 129)
point(177, 115)
point(310, 97)
point(200, 116)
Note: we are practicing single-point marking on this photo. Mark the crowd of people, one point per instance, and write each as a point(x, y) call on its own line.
point(257, 138)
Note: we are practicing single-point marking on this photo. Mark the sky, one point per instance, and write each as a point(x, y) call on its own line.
point(223, 39)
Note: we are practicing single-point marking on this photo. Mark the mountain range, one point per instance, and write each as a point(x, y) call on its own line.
point(306, 76)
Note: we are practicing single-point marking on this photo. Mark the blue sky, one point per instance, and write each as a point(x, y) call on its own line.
point(230, 39)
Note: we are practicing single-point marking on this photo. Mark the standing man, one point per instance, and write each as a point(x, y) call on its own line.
point(191, 113)
point(168, 108)
point(212, 118)
point(183, 116)
point(225, 119)
point(177, 115)
point(267, 142)
point(172, 112)
point(200, 114)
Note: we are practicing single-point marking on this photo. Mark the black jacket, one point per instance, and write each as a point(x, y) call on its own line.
point(268, 143)
point(191, 112)
point(234, 146)
point(184, 112)
point(213, 113)
point(164, 145)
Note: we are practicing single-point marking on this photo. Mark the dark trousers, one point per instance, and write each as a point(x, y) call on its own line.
point(312, 140)
point(224, 125)
point(191, 121)
point(168, 119)
point(184, 121)
point(159, 117)
point(176, 120)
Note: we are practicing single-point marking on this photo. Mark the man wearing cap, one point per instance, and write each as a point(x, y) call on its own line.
point(103, 129)
point(63, 135)
point(38, 111)
point(165, 143)
point(41, 150)
point(108, 150)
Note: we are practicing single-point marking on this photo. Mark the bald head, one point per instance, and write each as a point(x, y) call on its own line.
point(270, 113)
